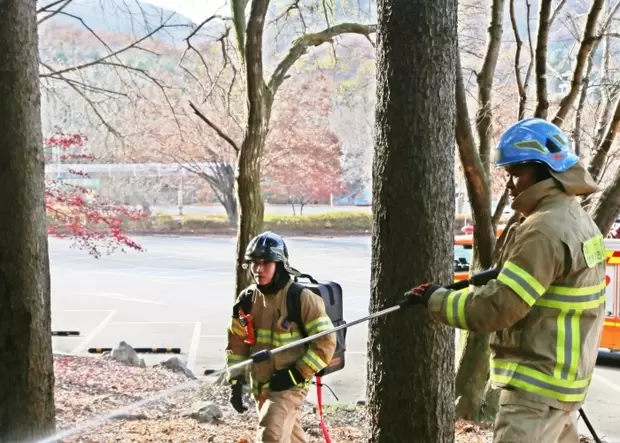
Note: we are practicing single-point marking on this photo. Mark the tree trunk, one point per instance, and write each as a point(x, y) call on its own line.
point(250, 201)
point(413, 201)
point(473, 363)
point(249, 197)
point(607, 206)
point(26, 363)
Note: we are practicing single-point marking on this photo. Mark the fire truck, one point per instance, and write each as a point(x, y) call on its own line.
point(611, 330)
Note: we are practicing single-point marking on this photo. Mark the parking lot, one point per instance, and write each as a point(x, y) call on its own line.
point(178, 293)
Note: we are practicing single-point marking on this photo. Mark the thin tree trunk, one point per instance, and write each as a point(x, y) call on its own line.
point(26, 363)
point(542, 42)
point(251, 207)
point(411, 364)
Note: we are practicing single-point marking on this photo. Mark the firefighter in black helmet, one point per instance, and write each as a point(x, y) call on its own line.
point(279, 385)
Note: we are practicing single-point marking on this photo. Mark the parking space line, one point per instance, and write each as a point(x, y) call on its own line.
point(153, 323)
point(194, 346)
point(96, 331)
point(122, 297)
point(607, 382)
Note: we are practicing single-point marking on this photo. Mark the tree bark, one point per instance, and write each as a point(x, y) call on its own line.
point(26, 363)
point(542, 42)
point(411, 363)
point(607, 206)
point(251, 207)
point(473, 347)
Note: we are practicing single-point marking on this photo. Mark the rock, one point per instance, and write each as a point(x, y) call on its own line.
point(175, 364)
point(204, 412)
point(124, 353)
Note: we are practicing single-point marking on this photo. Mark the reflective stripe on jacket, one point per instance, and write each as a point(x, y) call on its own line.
point(546, 307)
point(269, 312)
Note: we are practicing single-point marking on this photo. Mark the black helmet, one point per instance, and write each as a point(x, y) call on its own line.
point(267, 246)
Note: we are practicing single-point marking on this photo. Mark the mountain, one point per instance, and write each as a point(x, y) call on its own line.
point(130, 17)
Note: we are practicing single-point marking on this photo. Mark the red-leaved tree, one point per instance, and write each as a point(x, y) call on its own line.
point(302, 162)
point(76, 212)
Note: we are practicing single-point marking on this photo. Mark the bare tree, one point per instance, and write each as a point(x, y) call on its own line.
point(261, 91)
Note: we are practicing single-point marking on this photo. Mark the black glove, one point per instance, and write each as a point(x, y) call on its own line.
point(284, 379)
point(420, 294)
point(236, 397)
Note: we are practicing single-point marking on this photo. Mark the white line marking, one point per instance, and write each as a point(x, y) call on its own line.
point(607, 382)
point(212, 336)
point(153, 323)
point(86, 310)
point(122, 297)
point(94, 332)
point(193, 347)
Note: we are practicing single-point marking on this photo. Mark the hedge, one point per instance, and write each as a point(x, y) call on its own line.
point(342, 222)
point(351, 222)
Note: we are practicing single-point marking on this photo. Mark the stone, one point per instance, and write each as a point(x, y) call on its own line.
point(125, 354)
point(204, 412)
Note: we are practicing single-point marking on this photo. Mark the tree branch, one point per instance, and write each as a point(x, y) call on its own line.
point(53, 12)
point(116, 53)
point(301, 45)
point(597, 162)
point(542, 41)
point(213, 126)
point(484, 122)
point(517, 63)
point(476, 179)
point(587, 43)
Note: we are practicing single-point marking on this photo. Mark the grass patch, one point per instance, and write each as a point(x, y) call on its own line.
point(340, 222)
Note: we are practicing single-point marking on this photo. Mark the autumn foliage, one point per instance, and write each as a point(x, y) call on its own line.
point(75, 211)
point(302, 162)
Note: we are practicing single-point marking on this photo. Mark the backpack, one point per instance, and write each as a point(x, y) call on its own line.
point(331, 293)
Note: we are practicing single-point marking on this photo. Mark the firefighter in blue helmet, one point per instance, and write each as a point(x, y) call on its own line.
point(545, 310)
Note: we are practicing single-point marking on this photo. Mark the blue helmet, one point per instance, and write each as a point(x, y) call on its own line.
point(535, 140)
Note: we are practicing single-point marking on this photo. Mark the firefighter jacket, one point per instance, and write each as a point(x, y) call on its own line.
point(546, 307)
point(268, 313)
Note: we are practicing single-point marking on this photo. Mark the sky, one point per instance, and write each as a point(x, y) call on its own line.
point(196, 10)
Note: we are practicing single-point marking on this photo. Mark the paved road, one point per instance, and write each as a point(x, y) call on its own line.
point(269, 209)
point(178, 294)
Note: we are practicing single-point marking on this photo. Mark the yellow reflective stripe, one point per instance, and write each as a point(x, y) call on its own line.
point(536, 382)
point(319, 324)
point(567, 345)
point(236, 328)
point(285, 338)
point(232, 359)
point(263, 336)
point(521, 282)
point(567, 298)
point(313, 360)
point(455, 308)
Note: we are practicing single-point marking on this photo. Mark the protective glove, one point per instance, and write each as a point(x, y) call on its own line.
point(284, 379)
point(420, 294)
point(236, 397)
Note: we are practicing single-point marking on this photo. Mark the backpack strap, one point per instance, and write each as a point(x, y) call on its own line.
point(244, 302)
point(293, 306)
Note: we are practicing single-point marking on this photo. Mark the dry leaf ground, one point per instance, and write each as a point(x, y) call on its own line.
point(87, 387)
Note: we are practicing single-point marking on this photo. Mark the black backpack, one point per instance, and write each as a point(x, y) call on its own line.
point(331, 293)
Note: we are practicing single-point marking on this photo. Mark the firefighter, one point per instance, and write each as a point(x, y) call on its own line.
point(546, 308)
point(279, 385)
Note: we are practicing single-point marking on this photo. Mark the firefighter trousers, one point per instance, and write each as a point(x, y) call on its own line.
point(279, 417)
point(522, 420)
